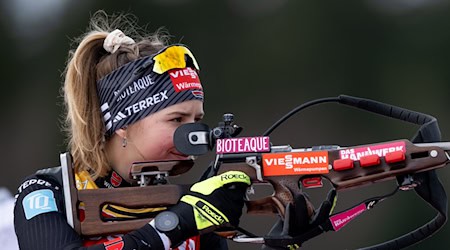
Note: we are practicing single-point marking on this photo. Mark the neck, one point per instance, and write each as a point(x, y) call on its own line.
point(121, 158)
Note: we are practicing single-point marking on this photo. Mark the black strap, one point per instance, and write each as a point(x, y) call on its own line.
point(430, 189)
point(327, 223)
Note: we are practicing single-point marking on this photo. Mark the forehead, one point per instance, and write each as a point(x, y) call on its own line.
point(188, 108)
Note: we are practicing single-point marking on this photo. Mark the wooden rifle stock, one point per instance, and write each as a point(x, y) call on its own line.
point(155, 196)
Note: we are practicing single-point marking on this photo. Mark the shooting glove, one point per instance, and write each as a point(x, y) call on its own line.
point(300, 218)
point(214, 203)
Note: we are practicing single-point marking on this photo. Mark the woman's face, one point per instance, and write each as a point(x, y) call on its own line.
point(151, 139)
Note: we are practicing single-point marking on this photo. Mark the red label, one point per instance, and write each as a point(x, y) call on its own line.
point(380, 150)
point(115, 179)
point(295, 163)
point(185, 79)
point(197, 93)
point(115, 244)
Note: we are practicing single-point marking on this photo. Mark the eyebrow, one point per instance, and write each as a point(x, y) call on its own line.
point(185, 113)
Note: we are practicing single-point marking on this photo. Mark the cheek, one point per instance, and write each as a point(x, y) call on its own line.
point(156, 143)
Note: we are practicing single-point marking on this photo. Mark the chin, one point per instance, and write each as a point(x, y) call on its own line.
point(180, 157)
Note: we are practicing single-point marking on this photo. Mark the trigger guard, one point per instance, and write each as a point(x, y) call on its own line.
point(267, 205)
point(281, 209)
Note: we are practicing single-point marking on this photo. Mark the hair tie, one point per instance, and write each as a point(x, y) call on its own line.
point(115, 39)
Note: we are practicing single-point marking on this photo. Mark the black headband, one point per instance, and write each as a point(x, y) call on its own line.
point(135, 90)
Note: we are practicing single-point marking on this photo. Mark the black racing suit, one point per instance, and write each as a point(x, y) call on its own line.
point(40, 221)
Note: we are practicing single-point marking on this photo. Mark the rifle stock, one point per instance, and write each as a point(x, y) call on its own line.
point(130, 197)
point(93, 200)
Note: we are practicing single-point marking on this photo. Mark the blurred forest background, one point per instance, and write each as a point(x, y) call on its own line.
point(259, 59)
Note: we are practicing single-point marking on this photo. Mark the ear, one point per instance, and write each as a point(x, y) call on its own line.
point(122, 132)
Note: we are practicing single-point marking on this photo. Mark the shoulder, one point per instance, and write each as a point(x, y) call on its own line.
point(48, 178)
point(39, 211)
point(39, 193)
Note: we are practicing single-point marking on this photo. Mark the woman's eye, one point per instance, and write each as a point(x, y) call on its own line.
point(178, 119)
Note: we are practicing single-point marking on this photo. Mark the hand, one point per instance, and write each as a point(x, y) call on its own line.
point(300, 218)
point(214, 203)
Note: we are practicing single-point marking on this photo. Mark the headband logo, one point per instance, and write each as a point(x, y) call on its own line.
point(146, 103)
point(197, 93)
point(185, 79)
point(138, 85)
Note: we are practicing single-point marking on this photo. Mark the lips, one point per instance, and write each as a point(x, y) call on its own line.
point(180, 156)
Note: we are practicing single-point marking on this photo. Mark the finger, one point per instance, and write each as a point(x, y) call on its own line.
point(325, 208)
point(299, 215)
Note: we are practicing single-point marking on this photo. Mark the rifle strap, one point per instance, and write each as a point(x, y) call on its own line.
point(430, 188)
point(326, 223)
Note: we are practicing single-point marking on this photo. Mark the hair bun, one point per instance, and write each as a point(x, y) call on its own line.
point(115, 39)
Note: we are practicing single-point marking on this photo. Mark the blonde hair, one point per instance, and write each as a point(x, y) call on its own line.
point(88, 63)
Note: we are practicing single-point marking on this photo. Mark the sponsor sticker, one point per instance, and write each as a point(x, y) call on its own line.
point(380, 150)
point(184, 79)
point(114, 244)
point(33, 182)
point(137, 86)
point(116, 179)
point(210, 213)
point(197, 93)
point(338, 221)
point(243, 145)
point(144, 104)
point(295, 163)
point(39, 202)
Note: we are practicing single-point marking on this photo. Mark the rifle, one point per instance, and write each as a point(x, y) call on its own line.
point(411, 162)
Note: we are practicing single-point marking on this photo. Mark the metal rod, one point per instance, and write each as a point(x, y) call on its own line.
point(443, 145)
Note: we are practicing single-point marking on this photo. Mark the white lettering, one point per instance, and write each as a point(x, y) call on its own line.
point(39, 201)
point(189, 85)
point(219, 146)
point(184, 72)
point(148, 102)
point(31, 182)
point(138, 85)
point(289, 161)
point(269, 162)
point(244, 144)
point(361, 152)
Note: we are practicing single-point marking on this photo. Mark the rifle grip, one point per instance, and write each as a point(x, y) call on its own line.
point(265, 206)
point(284, 189)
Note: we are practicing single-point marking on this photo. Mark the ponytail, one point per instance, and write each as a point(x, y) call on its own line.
point(90, 62)
point(84, 124)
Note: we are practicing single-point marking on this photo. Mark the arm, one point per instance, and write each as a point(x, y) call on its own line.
point(40, 222)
